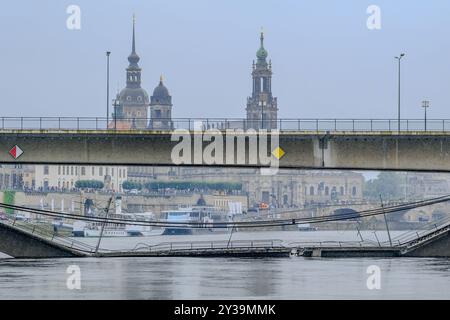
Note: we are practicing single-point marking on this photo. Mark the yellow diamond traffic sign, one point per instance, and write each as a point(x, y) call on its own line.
point(278, 153)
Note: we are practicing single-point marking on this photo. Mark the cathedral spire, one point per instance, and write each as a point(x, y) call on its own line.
point(133, 58)
point(261, 54)
point(262, 38)
point(133, 49)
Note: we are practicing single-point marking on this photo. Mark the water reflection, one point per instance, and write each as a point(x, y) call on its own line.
point(222, 278)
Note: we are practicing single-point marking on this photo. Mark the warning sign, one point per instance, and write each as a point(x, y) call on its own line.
point(16, 152)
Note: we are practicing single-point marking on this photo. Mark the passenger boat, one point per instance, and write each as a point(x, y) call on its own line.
point(187, 215)
point(83, 229)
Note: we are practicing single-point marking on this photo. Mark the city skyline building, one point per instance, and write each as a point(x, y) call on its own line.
point(131, 104)
point(262, 109)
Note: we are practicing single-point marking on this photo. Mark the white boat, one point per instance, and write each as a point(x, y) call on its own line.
point(199, 214)
point(142, 230)
point(83, 229)
point(111, 229)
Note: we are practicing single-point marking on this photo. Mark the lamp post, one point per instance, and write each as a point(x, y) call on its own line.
point(107, 88)
point(399, 58)
point(425, 106)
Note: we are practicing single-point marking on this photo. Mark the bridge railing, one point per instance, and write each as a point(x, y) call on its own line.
point(43, 233)
point(430, 228)
point(284, 124)
point(333, 243)
point(207, 245)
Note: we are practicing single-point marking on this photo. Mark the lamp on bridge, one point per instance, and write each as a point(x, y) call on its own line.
point(107, 88)
point(399, 58)
point(425, 106)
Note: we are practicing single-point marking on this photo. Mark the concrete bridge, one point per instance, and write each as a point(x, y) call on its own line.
point(421, 151)
point(372, 144)
point(27, 241)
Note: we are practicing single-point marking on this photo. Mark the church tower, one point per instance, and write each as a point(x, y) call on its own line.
point(262, 107)
point(161, 108)
point(131, 104)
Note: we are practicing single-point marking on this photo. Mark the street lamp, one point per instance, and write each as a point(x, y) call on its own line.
point(425, 106)
point(399, 58)
point(107, 88)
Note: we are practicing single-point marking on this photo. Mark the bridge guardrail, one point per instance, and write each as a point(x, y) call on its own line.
point(208, 245)
point(305, 124)
point(50, 236)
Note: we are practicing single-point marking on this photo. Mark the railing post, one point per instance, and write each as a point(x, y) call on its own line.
point(335, 124)
point(96, 123)
point(59, 123)
point(353, 125)
point(298, 124)
point(371, 125)
point(78, 123)
point(317, 125)
point(40, 123)
point(21, 123)
point(443, 125)
point(407, 125)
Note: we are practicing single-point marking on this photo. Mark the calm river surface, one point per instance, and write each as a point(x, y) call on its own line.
point(227, 278)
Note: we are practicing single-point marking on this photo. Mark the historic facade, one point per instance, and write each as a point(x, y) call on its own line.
point(262, 107)
point(288, 188)
point(64, 177)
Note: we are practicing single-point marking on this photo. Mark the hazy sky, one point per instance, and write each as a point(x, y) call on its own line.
point(326, 62)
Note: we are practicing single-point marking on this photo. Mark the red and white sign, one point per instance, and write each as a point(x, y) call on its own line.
point(16, 152)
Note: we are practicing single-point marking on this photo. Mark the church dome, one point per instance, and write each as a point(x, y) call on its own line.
point(261, 53)
point(133, 96)
point(161, 95)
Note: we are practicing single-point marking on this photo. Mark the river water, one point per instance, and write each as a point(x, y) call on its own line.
point(227, 278)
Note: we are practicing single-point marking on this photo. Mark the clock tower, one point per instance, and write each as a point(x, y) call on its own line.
point(262, 107)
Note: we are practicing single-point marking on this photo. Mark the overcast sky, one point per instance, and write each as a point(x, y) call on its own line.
point(326, 62)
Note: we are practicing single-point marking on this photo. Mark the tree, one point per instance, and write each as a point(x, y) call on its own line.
point(186, 185)
point(89, 184)
point(9, 198)
point(386, 184)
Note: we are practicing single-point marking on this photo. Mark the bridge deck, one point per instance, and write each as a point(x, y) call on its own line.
point(23, 240)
